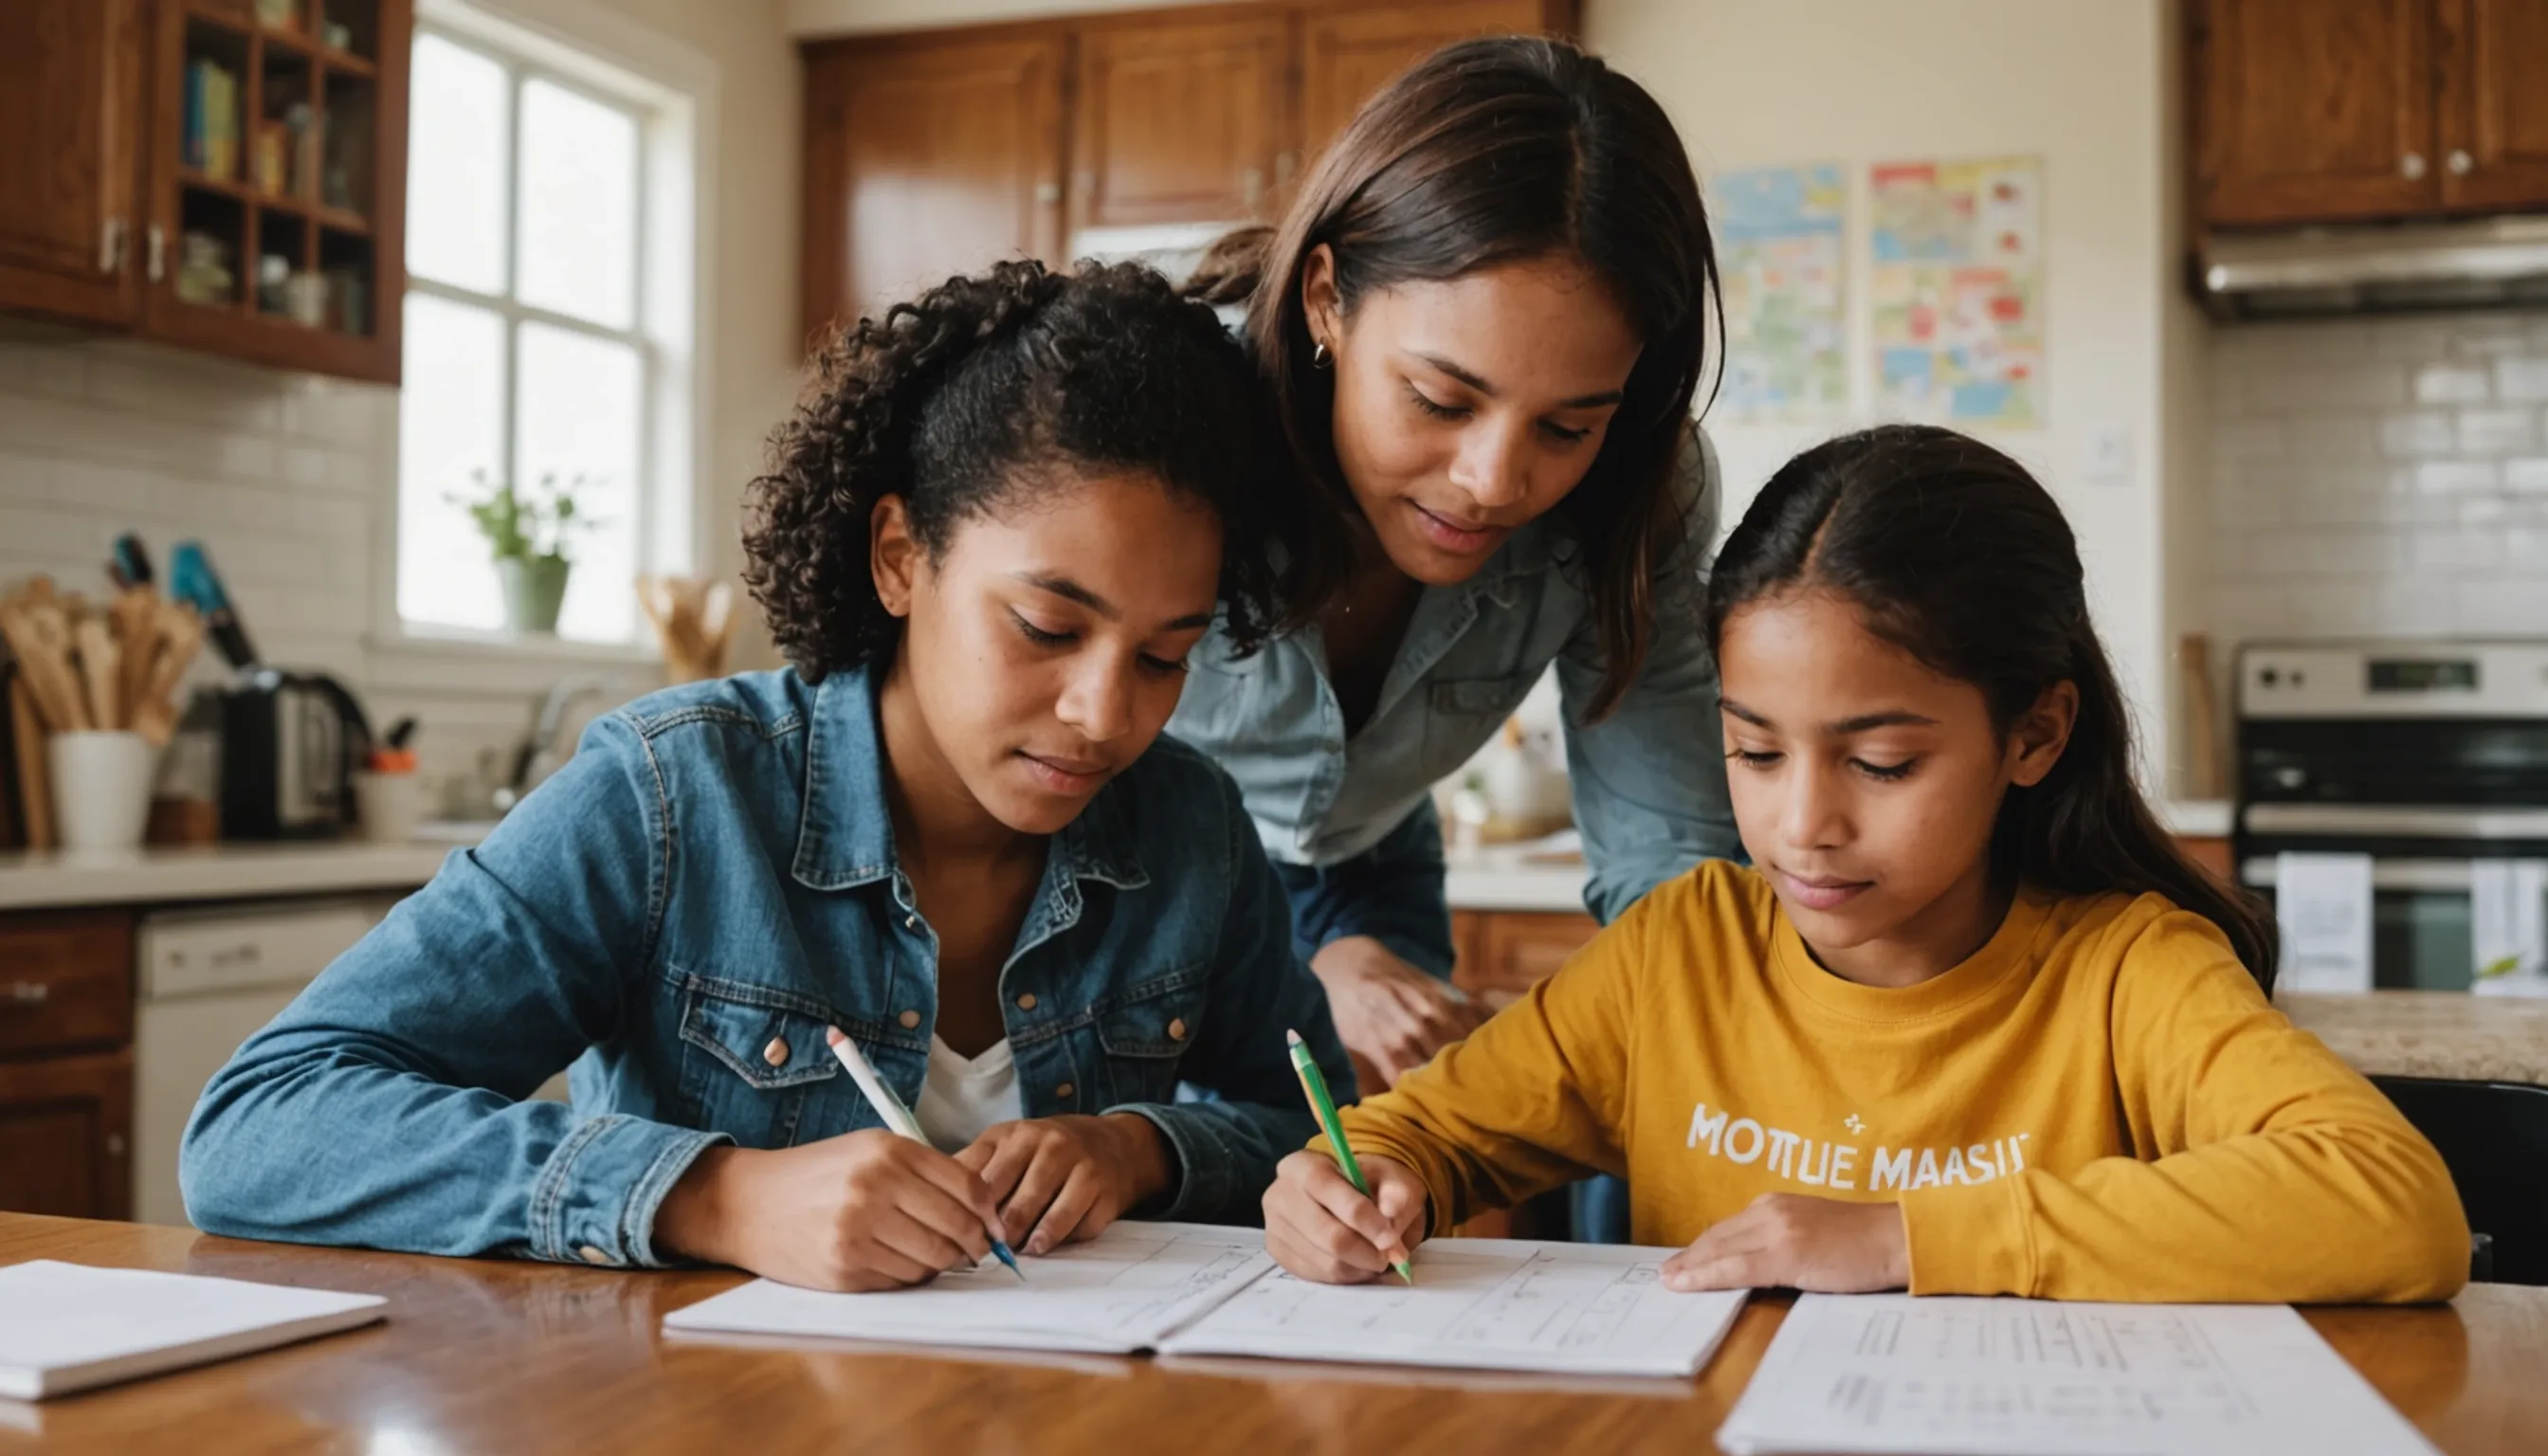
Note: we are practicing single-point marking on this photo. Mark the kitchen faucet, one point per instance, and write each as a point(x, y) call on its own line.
point(540, 754)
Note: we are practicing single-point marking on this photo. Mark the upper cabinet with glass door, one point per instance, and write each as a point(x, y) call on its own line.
point(223, 175)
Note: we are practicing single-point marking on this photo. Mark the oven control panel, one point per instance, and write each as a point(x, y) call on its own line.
point(2394, 679)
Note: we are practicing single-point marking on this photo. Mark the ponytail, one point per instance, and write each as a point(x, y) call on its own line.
point(1230, 269)
point(1956, 555)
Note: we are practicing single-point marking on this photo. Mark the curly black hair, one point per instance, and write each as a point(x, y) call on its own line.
point(990, 387)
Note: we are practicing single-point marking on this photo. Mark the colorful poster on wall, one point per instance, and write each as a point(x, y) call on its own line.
point(1779, 236)
point(1957, 290)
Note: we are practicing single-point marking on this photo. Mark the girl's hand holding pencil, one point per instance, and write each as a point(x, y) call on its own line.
point(871, 1209)
point(1345, 1208)
point(1320, 1227)
point(865, 1211)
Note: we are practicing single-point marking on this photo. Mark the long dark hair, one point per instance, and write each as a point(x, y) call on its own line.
point(996, 385)
point(1956, 555)
point(1486, 152)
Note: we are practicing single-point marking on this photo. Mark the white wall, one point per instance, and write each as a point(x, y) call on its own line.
point(1756, 82)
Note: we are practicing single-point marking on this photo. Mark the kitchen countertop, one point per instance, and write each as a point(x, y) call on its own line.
point(1509, 877)
point(1497, 877)
point(55, 879)
point(2449, 1034)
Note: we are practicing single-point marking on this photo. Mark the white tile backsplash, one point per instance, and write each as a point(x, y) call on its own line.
point(2381, 476)
point(283, 478)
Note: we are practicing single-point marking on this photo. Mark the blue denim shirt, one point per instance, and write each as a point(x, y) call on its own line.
point(1648, 780)
point(679, 912)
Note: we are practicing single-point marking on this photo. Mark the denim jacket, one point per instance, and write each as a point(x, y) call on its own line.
point(1648, 780)
point(679, 912)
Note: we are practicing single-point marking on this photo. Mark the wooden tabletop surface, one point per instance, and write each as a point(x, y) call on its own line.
point(493, 1356)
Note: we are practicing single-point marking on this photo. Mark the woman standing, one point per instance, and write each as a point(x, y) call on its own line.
point(1483, 324)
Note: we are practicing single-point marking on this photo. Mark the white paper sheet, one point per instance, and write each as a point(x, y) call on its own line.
point(2323, 905)
point(1983, 1377)
point(1489, 1304)
point(1122, 1290)
point(67, 1328)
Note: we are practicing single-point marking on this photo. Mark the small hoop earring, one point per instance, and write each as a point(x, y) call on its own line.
point(1320, 358)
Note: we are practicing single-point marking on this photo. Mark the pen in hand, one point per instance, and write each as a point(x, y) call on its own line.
point(1314, 1084)
point(899, 1119)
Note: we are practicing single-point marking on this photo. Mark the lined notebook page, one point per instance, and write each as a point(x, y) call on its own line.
point(1120, 1292)
point(1482, 1304)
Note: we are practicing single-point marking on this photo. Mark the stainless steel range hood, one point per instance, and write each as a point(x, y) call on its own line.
point(2375, 267)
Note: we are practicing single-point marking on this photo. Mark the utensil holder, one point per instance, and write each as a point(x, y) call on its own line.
point(101, 788)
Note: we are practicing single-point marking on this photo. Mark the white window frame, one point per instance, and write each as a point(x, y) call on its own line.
point(670, 89)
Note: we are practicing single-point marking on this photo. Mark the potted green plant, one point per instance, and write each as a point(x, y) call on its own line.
point(526, 532)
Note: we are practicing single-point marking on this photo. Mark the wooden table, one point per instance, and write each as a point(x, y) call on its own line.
point(495, 1356)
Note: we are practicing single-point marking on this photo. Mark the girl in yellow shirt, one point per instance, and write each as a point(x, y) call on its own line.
point(1970, 1024)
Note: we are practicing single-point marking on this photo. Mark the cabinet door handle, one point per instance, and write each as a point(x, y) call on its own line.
point(1285, 163)
point(1048, 192)
point(110, 247)
point(1251, 186)
point(2411, 166)
point(2459, 162)
point(28, 993)
point(159, 251)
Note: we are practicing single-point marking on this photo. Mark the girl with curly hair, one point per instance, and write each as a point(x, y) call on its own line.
point(988, 540)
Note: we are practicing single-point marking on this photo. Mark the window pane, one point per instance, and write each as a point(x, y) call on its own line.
point(455, 167)
point(578, 206)
point(576, 414)
point(450, 422)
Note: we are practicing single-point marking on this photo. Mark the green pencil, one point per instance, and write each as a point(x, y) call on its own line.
point(1315, 1085)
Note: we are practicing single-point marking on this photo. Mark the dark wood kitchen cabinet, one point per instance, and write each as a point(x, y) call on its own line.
point(70, 117)
point(934, 152)
point(67, 1064)
point(220, 175)
point(2493, 105)
point(1348, 54)
point(926, 156)
point(2333, 111)
point(66, 1136)
point(1177, 121)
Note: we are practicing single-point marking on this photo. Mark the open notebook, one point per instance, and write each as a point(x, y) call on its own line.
point(67, 1328)
point(1190, 1289)
point(1482, 1304)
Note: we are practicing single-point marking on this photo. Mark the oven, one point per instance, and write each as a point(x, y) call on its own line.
point(2430, 757)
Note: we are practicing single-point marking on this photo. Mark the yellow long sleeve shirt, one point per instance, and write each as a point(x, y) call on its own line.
point(2098, 1105)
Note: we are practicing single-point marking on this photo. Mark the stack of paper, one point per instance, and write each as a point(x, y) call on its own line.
point(1486, 1303)
point(65, 1328)
point(1190, 1289)
point(1982, 1377)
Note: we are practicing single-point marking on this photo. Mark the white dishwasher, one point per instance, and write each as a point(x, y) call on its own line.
point(210, 979)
